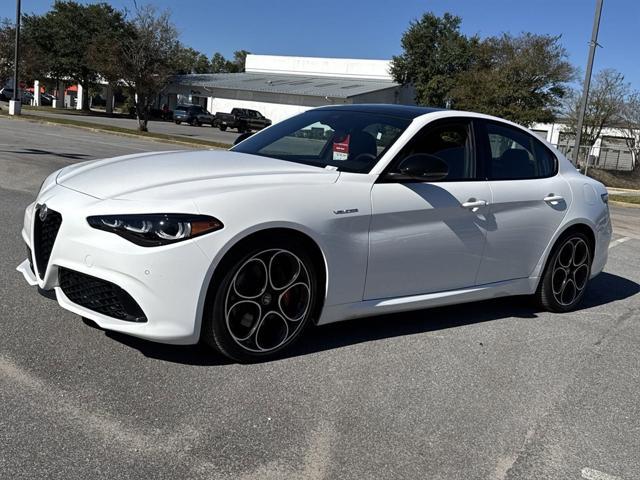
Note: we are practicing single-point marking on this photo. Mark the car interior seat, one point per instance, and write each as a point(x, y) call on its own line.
point(362, 142)
point(513, 163)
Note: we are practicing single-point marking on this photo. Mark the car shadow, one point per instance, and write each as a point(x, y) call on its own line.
point(604, 289)
point(37, 151)
point(196, 355)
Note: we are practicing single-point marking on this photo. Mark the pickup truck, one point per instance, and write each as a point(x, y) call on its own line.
point(243, 119)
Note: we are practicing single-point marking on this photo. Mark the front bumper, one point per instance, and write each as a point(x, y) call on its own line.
point(166, 282)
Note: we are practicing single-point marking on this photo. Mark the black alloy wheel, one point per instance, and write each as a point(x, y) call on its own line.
point(263, 304)
point(567, 273)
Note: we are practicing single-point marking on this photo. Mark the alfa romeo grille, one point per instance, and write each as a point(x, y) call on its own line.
point(44, 236)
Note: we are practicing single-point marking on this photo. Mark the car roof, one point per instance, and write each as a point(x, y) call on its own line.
point(403, 111)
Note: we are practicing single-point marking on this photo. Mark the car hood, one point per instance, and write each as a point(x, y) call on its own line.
point(166, 174)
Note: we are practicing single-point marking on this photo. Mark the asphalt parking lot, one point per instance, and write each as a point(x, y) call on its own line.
point(491, 390)
point(204, 132)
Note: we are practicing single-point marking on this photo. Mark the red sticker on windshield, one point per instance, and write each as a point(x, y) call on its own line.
point(341, 149)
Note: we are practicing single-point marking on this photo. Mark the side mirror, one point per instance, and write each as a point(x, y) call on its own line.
point(241, 137)
point(421, 167)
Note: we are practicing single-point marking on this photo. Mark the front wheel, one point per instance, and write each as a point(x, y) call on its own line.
point(263, 303)
point(566, 275)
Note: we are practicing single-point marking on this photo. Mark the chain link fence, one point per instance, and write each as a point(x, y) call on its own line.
point(605, 158)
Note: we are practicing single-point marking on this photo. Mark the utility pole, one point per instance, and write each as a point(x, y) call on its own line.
point(14, 108)
point(587, 82)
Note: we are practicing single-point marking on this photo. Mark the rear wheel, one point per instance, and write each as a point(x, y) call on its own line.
point(263, 303)
point(567, 273)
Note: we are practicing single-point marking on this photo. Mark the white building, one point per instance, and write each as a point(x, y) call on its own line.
point(610, 150)
point(281, 86)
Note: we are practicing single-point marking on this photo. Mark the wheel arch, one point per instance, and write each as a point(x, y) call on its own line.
point(581, 225)
point(241, 243)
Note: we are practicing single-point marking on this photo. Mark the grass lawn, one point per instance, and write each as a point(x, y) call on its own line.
point(625, 198)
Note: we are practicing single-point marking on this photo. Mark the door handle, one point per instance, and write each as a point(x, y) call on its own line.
point(474, 205)
point(553, 198)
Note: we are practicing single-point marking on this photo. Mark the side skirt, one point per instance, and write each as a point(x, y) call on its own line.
point(366, 308)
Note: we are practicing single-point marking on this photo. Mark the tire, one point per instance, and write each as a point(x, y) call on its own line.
point(177, 122)
point(262, 303)
point(223, 128)
point(566, 274)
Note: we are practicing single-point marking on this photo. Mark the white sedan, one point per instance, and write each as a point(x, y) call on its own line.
point(337, 213)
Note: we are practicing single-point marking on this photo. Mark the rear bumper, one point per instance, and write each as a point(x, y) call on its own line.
point(603, 233)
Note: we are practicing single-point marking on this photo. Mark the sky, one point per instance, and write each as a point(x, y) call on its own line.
point(373, 28)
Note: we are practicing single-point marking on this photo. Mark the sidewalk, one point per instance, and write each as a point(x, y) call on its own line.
point(623, 192)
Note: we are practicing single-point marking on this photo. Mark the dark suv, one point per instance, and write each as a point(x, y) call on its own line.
point(192, 114)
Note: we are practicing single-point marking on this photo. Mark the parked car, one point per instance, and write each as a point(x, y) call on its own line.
point(339, 212)
point(6, 94)
point(243, 119)
point(46, 99)
point(192, 114)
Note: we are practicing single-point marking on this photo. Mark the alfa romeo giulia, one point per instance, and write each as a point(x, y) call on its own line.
point(337, 213)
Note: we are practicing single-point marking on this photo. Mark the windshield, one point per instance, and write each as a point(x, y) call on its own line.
point(347, 140)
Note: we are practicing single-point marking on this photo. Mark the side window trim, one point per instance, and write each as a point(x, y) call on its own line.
point(487, 157)
point(476, 158)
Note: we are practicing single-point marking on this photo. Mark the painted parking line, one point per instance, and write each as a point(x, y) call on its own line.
point(618, 241)
point(591, 474)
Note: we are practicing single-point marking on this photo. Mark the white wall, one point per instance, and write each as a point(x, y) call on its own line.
point(274, 111)
point(554, 129)
point(330, 67)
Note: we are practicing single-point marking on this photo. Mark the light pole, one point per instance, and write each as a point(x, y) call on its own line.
point(587, 83)
point(14, 105)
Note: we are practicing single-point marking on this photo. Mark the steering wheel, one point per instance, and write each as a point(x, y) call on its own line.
point(364, 158)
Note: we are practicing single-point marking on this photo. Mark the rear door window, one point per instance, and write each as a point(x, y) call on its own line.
point(517, 155)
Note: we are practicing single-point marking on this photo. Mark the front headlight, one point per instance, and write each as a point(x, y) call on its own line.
point(152, 230)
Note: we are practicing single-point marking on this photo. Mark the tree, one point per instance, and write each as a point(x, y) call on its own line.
point(219, 64)
point(7, 36)
point(148, 58)
point(240, 59)
point(64, 38)
point(605, 105)
point(435, 52)
point(523, 78)
point(189, 60)
point(33, 63)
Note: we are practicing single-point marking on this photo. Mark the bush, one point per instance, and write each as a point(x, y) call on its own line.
point(616, 178)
